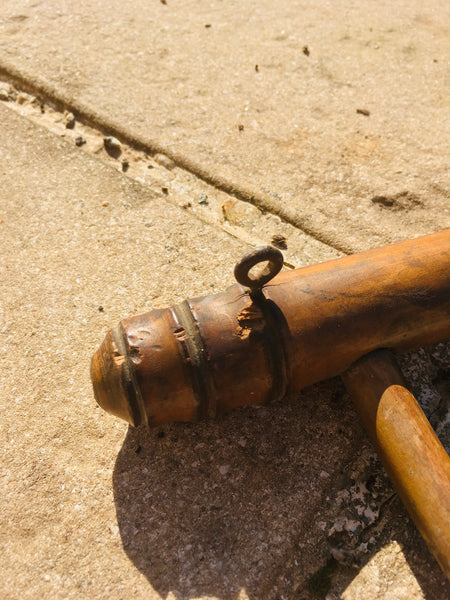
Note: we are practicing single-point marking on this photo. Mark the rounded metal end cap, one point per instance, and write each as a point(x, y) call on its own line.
point(108, 382)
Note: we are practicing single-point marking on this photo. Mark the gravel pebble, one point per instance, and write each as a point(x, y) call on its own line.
point(111, 143)
point(279, 241)
point(69, 120)
point(164, 161)
point(7, 92)
point(22, 98)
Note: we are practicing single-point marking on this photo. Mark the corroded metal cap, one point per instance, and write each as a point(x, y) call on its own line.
point(111, 389)
point(142, 371)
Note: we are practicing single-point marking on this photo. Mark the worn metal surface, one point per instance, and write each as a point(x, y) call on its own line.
point(265, 254)
point(412, 454)
point(212, 354)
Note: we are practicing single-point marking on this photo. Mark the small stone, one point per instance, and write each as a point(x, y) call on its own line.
point(7, 92)
point(363, 111)
point(69, 120)
point(105, 203)
point(165, 190)
point(164, 161)
point(21, 98)
point(125, 165)
point(39, 104)
point(111, 143)
point(80, 141)
point(241, 127)
point(203, 199)
point(279, 241)
point(306, 51)
point(239, 213)
point(100, 309)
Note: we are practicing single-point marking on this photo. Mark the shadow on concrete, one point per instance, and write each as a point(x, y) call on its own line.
point(220, 506)
point(236, 504)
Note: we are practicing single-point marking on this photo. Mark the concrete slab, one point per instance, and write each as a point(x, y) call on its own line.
point(333, 116)
point(269, 102)
point(160, 175)
point(239, 508)
point(196, 508)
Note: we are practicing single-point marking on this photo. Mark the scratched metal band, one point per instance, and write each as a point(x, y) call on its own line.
point(273, 318)
point(195, 357)
point(132, 391)
point(275, 347)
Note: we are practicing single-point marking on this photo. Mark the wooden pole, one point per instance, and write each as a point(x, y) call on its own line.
point(412, 454)
point(209, 355)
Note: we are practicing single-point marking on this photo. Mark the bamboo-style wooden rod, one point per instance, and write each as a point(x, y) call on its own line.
point(414, 458)
point(250, 344)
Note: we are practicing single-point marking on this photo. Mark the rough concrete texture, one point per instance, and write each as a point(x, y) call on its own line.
point(195, 508)
point(334, 115)
point(281, 502)
point(159, 174)
point(243, 507)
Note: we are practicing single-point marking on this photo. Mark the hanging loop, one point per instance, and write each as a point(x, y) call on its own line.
point(264, 254)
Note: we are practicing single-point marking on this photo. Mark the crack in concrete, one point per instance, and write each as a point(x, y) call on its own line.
point(83, 113)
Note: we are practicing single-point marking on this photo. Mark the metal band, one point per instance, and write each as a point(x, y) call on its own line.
point(195, 356)
point(130, 385)
point(274, 343)
point(273, 318)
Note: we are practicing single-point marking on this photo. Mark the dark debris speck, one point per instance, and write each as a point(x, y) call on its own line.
point(279, 241)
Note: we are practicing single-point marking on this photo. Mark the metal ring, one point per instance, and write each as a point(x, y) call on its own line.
point(249, 260)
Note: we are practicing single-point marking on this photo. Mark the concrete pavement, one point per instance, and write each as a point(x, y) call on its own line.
point(334, 117)
point(213, 509)
point(242, 507)
point(259, 504)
